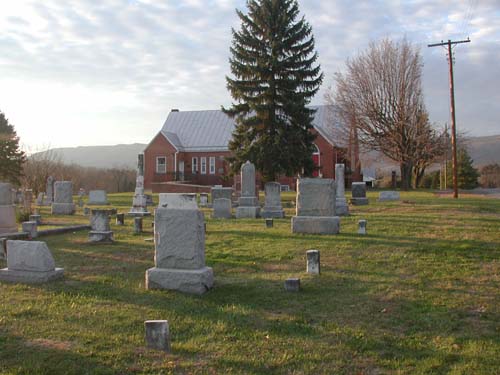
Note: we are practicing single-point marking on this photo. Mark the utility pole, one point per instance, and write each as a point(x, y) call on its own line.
point(449, 43)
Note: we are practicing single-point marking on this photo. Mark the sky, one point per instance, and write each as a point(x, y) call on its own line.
point(104, 72)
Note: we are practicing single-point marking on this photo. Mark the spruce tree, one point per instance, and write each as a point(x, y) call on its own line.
point(11, 157)
point(466, 173)
point(275, 76)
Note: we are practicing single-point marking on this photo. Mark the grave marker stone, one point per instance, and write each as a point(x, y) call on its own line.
point(272, 206)
point(341, 206)
point(63, 198)
point(100, 228)
point(7, 210)
point(359, 194)
point(222, 209)
point(248, 203)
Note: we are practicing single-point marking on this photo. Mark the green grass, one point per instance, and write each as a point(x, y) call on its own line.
point(418, 295)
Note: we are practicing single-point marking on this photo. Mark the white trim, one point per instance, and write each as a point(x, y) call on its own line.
point(157, 159)
point(318, 152)
point(203, 165)
point(210, 164)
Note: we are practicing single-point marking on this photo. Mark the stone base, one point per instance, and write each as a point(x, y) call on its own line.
point(248, 201)
point(95, 236)
point(359, 201)
point(316, 224)
point(63, 208)
point(187, 281)
point(139, 211)
point(270, 213)
point(28, 277)
point(8, 219)
point(247, 212)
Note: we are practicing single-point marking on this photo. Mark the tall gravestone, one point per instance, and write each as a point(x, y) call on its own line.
point(63, 198)
point(248, 203)
point(315, 212)
point(359, 194)
point(7, 210)
point(272, 206)
point(100, 228)
point(49, 191)
point(180, 252)
point(341, 206)
point(139, 203)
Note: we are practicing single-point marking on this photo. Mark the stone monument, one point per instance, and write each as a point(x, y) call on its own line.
point(341, 206)
point(218, 192)
point(272, 206)
point(222, 209)
point(139, 203)
point(248, 203)
point(177, 200)
point(7, 210)
point(100, 229)
point(388, 196)
point(63, 198)
point(180, 252)
point(97, 198)
point(315, 211)
point(359, 194)
point(49, 191)
point(203, 199)
point(157, 335)
point(313, 262)
point(29, 262)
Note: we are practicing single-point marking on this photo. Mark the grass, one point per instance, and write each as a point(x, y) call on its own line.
point(418, 295)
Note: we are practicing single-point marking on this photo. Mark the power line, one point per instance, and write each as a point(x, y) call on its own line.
point(449, 44)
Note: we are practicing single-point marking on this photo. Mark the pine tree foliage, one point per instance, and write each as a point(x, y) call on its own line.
point(11, 157)
point(275, 76)
point(466, 173)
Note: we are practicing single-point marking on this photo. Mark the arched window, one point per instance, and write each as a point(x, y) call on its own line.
point(317, 160)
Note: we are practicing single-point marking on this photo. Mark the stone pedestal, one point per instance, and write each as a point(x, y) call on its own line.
point(180, 252)
point(157, 335)
point(63, 198)
point(29, 262)
point(316, 207)
point(30, 227)
point(222, 209)
point(359, 194)
point(99, 223)
point(272, 206)
point(341, 206)
point(248, 204)
point(313, 262)
point(97, 198)
point(7, 210)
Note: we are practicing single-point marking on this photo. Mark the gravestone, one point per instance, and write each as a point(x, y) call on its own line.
point(7, 210)
point(63, 198)
point(248, 203)
point(100, 228)
point(269, 222)
point(120, 219)
point(388, 196)
point(138, 224)
point(315, 211)
point(29, 262)
point(27, 200)
point(272, 206)
point(359, 194)
point(362, 226)
point(180, 252)
point(40, 199)
point(139, 202)
point(49, 189)
point(292, 284)
point(157, 335)
point(203, 199)
point(3, 248)
point(176, 200)
point(313, 262)
point(218, 192)
point(37, 218)
point(222, 209)
point(341, 206)
point(97, 198)
point(30, 227)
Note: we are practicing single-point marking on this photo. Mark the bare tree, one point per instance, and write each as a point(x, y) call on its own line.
point(38, 167)
point(381, 95)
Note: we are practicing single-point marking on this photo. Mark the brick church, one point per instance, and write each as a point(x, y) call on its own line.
point(189, 153)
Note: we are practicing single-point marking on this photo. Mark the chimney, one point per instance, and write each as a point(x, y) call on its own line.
point(174, 110)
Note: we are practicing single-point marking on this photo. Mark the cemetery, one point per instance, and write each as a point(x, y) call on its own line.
point(239, 296)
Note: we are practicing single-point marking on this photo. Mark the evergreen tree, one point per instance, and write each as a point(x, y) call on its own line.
point(273, 61)
point(466, 173)
point(11, 157)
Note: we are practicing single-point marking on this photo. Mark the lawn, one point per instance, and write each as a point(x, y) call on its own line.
point(419, 294)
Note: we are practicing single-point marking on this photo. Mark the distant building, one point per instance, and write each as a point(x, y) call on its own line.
point(192, 146)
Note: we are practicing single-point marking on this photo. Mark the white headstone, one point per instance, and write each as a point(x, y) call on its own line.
point(179, 201)
point(97, 197)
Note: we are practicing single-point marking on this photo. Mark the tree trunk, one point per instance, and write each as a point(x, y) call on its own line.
point(419, 174)
point(406, 174)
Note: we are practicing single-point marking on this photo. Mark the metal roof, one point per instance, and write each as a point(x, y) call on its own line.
point(212, 130)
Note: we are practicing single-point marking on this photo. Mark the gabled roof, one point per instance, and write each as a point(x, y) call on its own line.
point(212, 130)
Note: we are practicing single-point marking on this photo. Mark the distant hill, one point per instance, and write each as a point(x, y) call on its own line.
point(100, 156)
point(483, 150)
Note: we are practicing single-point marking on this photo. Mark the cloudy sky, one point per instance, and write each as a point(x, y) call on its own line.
point(97, 72)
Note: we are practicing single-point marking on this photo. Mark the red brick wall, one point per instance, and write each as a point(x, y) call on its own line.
point(158, 147)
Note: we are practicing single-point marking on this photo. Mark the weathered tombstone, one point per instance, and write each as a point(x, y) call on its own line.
point(120, 219)
point(315, 211)
point(180, 201)
point(248, 203)
point(97, 198)
point(292, 284)
point(362, 227)
point(138, 225)
point(30, 227)
point(29, 262)
point(49, 191)
point(40, 200)
point(7, 210)
point(36, 218)
point(3, 248)
point(180, 252)
point(272, 206)
point(313, 262)
point(218, 192)
point(63, 198)
point(269, 222)
point(222, 209)
point(157, 335)
point(139, 202)
point(341, 206)
point(203, 199)
point(387, 196)
point(80, 201)
point(359, 194)
point(100, 228)
point(28, 200)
